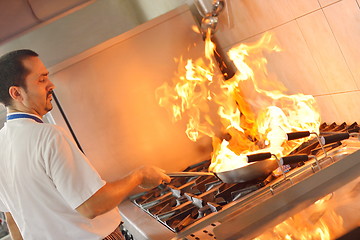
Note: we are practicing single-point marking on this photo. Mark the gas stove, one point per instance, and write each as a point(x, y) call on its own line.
point(203, 207)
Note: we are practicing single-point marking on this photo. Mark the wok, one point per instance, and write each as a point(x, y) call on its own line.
point(260, 166)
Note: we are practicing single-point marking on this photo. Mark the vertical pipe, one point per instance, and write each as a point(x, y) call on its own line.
point(67, 122)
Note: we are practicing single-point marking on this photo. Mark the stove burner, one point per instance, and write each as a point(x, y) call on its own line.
point(185, 200)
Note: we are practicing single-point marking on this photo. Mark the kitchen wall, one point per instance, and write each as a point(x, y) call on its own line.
point(108, 95)
point(77, 32)
point(147, 10)
point(66, 36)
point(2, 115)
point(320, 47)
point(107, 89)
point(60, 37)
point(18, 16)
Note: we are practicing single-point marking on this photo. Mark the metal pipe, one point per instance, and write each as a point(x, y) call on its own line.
point(67, 122)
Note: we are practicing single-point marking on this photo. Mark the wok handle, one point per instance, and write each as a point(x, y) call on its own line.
point(297, 135)
point(334, 138)
point(294, 159)
point(258, 157)
point(189, 174)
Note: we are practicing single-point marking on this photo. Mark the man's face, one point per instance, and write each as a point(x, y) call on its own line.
point(37, 95)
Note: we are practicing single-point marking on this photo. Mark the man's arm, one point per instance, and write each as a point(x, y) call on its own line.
point(113, 193)
point(13, 228)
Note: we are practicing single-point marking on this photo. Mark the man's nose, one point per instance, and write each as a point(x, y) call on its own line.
point(51, 85)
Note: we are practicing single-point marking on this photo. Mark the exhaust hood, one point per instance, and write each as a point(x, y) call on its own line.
point(20, 16)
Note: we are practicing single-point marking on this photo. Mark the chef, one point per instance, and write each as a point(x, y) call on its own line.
point(48, 188)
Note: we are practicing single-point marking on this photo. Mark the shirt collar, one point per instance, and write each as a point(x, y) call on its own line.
point(18, 115)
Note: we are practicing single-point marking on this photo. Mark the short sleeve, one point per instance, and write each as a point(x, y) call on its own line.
point(71, 172)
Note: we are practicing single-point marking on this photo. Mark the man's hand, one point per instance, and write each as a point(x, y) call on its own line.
point(113, 193)
point(152, 176)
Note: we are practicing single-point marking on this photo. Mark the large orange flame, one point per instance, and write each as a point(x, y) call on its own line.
point(246, 114)
point(316, 222)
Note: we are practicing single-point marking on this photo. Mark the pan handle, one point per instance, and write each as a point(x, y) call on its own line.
point(294, 159)
point(258, 157)
point(334, 138)
point(189, 174)
point(297, 135)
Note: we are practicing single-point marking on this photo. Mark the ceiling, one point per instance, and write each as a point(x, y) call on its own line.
point(20, 16)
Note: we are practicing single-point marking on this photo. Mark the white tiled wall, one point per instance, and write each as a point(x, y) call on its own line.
point(320, 42)
point(326, 52)
point(347, 34)
point(302, 7)
point(324, 3)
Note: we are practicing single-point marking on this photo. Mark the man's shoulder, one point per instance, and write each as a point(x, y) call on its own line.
point(47, 128)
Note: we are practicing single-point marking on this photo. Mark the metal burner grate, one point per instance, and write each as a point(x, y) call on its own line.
point(191, 207)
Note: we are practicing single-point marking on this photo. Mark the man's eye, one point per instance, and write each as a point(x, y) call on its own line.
point(43, 78)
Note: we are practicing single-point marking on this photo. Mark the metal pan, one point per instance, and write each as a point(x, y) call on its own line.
point(260, 166)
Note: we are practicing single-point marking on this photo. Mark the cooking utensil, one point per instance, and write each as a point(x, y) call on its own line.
point(297, 135)
point(323, 139)
point(334, 138)
point(260, 166)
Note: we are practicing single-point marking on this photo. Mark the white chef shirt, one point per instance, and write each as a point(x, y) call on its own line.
point(44, 178)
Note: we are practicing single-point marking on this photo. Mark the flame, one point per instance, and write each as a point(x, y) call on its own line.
point(249, 113)
point(318, 221)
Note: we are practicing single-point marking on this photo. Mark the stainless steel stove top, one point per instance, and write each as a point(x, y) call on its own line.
point(249, 215)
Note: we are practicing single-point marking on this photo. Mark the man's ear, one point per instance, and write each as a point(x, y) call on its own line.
point(14, 92)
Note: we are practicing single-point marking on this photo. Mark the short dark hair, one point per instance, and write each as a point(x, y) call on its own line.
point(13, 72)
